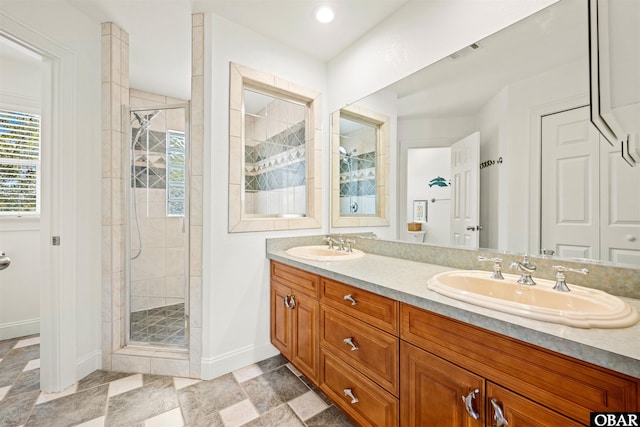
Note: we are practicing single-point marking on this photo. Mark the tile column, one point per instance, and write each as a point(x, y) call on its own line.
point(115, 95)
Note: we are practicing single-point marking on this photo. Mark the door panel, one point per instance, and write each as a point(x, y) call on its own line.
point(570, 184)
point(465, 182)
point(619, 208)
point(280, 319)
point(432, 391)
point(305, 343)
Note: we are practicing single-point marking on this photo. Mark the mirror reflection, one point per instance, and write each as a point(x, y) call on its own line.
point(274, 155)
point(359, 166)
point(503, 87)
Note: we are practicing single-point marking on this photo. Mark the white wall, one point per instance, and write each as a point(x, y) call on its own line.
point(417, 35)
point(20, 282)
point(20, 90)
point(491, 122)
point(559, 89)
point(423, 165)
point(235, 270)
point(61, 29)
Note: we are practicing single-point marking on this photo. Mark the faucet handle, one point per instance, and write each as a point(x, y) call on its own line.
point(329, 241)
point(349, 242)
point(526, 263)
point(561, 283)
point(497, 267)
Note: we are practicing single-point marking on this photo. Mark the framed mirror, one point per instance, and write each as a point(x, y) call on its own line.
point(359, 168)
point(274, 153)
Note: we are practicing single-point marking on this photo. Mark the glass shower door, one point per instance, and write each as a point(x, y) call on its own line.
point(157, 219)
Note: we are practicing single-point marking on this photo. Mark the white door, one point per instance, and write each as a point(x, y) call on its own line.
point(465, 188)
point(619, 208)
point(570, 185)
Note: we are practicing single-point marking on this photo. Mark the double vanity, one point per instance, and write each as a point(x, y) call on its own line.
point(394, 341)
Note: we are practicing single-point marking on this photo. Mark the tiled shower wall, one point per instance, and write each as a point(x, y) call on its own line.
point(158, 274)
point(358, 172)
point(275, 164)
point(115, 95)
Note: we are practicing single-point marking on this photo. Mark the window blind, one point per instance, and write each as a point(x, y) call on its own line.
point(19, 162)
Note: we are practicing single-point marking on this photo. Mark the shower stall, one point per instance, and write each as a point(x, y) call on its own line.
point(157, 220)
point(358, 145)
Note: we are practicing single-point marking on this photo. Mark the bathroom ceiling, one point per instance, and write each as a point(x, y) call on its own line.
point(160, 30)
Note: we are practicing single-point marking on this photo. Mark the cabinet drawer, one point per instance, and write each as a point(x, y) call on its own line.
point(295, 278)
point(375, 407)
point(377, 310)
point(377, 351)
point(566, 385)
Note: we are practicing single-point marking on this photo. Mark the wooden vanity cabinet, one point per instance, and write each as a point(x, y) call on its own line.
point(413, 367)
point(359, 363)
point(531, 385)
point(294, 317)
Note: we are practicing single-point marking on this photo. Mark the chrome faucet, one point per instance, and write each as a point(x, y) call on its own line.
point(341, 242)
point(526, 269)
point(497, 267)
point(561, 284)
point(329, 241)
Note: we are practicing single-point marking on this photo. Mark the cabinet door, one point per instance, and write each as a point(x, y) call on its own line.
point(432, 391)
point(521, 412)
point(281, 319)
point(305, 335)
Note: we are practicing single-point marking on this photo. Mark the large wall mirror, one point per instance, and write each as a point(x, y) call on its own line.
point(359, 167)
point(547, 179)
point(274, 153)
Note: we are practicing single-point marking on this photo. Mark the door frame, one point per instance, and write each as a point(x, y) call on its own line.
point(57, 201)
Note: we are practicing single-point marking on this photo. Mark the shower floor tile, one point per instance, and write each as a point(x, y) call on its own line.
point(159, 325)
point(269, 393)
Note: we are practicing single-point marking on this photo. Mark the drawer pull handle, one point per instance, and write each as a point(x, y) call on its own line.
point(350, 342)
point(498, 414)
point(348, 297)
point(468, 404)
point(290, 302)
point(349, 393)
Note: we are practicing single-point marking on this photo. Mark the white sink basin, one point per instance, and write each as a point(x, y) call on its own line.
point(581, 308)
point(323, 253)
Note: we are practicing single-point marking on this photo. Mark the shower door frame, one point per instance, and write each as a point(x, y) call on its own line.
point(127, 164)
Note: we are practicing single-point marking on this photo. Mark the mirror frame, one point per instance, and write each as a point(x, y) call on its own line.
point(239, 221)
point(381, 122)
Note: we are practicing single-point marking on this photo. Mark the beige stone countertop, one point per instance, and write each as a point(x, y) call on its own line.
point(406, 281)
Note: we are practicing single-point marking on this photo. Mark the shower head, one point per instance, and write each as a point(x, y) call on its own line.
point(152, 115)
point(145, 123)
point(145, 119)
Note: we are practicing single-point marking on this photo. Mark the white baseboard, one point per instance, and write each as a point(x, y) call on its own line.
point(213, 367)
point(88, 364)
point(19, 329)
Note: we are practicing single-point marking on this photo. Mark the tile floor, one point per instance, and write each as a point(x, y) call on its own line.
point(159, 325)
point(265, 394)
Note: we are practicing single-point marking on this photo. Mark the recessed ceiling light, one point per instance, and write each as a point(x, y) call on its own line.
point(324, 14)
